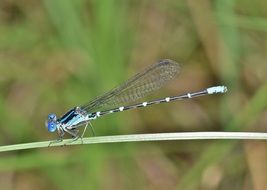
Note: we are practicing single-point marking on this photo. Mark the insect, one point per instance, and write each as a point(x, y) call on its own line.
point(118, 99)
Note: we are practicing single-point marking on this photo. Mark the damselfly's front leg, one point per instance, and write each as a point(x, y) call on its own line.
point(60, 133)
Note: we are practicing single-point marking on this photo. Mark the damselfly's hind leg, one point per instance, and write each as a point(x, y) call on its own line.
point(75, 133)
point(84, 131)
point(86, 128)
point(92, 128)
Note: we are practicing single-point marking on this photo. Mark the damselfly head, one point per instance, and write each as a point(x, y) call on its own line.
point(51, 123)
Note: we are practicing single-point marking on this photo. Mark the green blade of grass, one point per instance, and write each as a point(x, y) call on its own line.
point(142, 137)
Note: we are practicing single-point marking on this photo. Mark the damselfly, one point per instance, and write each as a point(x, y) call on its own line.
point(118, 99)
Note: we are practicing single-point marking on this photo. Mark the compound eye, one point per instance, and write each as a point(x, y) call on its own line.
point(51, 126)
point(52, 117)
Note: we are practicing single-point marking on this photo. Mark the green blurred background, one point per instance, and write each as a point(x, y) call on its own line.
point(55, 55)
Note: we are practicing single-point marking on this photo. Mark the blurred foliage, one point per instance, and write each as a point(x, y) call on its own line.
point(55, 55)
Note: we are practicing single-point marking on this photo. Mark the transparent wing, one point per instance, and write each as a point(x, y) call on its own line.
point(140, 85)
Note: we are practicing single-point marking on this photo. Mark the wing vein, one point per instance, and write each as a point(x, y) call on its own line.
point(140, 85)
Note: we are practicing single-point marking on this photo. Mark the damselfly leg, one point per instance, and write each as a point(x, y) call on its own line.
point(59, 139)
